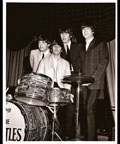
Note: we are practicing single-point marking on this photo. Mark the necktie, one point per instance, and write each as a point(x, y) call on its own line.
point(68, 53)
point(39, 62)
point(43, 56)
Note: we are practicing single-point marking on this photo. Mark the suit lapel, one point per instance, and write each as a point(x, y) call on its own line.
point(52, 63)
point(83, 48)
point(63, 53)
point(59, 69)
point(59, 65)
point(71, 48)
point(89, 47)
point(91, 44)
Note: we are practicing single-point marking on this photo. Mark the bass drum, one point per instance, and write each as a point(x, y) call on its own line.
point(25, 122)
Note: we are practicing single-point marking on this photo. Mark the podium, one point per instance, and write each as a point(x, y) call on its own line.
point(79, 79)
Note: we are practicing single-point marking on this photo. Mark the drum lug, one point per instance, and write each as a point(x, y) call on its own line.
point(26, 126)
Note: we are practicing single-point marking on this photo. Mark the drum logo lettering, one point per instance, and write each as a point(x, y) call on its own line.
point(15, 123)
point(13, 134)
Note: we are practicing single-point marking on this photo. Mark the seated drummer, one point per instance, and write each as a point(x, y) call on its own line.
point(55, 67)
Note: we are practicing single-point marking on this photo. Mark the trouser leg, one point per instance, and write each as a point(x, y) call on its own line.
point(89, 105)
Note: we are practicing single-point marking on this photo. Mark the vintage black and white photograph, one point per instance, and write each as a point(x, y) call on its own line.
point(60, 71)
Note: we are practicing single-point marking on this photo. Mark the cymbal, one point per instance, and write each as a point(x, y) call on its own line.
point(78, 78)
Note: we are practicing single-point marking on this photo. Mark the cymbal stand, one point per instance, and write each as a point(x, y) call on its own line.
point(78, 79)
point(53, 109)
point(77, 124)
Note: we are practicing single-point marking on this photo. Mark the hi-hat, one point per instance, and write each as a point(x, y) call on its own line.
point(78, 78)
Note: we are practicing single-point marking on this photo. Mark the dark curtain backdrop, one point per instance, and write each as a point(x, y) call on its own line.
point(16, 64)
point(111, 81)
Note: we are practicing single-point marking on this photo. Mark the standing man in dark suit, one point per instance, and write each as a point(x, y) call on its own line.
point(71, 50)
point(71, 53)
point(95, 58)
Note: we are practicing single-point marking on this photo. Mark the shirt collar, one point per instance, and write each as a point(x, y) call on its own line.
point(46, 52)
point(69, 44)
point(55, 58)
point(89, 40)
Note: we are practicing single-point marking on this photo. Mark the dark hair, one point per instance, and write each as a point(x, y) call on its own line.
point(55, 42)
point(43, 37)
point(66, 30)
point(88, 24)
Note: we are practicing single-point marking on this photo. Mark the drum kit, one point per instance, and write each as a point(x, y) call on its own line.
point(27, 113)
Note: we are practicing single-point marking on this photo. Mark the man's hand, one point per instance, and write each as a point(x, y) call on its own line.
point(9, 97)
point(86, 84)
point(71, 97)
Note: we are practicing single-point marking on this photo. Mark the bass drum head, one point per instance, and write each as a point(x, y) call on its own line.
point(25, 122)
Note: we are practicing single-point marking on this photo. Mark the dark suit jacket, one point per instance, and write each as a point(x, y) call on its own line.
point(74, 55)
point(94, 62)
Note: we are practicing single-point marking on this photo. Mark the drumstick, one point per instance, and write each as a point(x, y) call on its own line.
point(71, 98)
point(7, 89)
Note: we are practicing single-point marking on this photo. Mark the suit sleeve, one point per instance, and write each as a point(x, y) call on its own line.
point(67, 72)
point(67, 69)
point(79, 59)
point(31, 59)
point(103, 61)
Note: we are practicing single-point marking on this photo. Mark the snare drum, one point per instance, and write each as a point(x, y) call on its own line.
point(32, 89)
point(58, 95)
point(25, 122)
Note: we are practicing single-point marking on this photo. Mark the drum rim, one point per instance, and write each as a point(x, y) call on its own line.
point(40, 74)
point(56, 88)
point(31, 97)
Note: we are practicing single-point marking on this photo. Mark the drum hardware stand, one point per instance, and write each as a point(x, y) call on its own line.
point(53, 109)
point(78, 79)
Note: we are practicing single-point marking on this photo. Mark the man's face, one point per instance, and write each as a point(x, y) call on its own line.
point(43, 46)
point(65, 37)
point(87, 32)
point(56, 49)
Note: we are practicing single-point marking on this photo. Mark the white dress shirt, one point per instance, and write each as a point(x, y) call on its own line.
point(55, 63)
point(46, 52)
point(88, 42)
